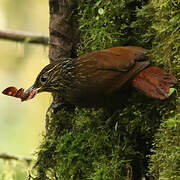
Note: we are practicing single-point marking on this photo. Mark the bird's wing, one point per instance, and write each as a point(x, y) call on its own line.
point(120, 59)
point(107, 70)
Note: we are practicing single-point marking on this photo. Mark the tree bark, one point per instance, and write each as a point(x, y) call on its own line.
point(63, 39)
point(62, 30)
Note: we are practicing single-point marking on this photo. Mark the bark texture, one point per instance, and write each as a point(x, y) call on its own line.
point(63, 30)
point(63, 39)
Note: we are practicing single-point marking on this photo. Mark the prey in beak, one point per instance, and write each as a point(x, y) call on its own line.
point(19, 93)
point(29, 94)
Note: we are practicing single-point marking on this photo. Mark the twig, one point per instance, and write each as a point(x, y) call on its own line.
point(10, 157)
point(25, 37)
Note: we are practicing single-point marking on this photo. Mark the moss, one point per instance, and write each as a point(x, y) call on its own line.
point(116, 144)
point(106, 24)
point(163, 32)
point(164, 36)
point(100, 144)
point(166, 156)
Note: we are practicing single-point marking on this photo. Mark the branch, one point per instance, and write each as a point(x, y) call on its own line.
point(5, 156)
point(25, 37)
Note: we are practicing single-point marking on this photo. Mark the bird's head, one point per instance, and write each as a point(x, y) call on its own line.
point(46, 81)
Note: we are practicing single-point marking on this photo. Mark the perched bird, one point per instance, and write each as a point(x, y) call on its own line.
point(104, 77)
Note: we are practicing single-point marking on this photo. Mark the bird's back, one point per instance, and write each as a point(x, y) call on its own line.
point(100, 75)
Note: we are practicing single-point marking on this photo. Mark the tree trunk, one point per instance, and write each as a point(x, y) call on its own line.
point(63, 39)
point(88, 144)
point(64, 36)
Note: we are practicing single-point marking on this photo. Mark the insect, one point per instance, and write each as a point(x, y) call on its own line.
point(19, 93)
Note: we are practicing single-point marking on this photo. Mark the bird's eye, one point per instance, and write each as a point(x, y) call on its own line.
point(43, 79)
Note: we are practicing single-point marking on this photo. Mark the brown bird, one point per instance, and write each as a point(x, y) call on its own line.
point(104, 77)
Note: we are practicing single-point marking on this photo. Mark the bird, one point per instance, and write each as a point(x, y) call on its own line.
point(104, 77)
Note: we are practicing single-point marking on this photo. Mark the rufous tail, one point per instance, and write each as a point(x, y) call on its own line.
point(154, 82)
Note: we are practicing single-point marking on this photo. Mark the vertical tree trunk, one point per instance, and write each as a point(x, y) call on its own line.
point(64, 36)
point(62, 29)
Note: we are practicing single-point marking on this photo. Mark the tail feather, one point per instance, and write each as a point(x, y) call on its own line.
point(154, 82)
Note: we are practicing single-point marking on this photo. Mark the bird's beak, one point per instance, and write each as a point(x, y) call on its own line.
point(29, 89)
point(29, 93)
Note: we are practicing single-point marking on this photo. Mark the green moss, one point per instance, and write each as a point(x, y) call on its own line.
point(166, 156)
point(106, 24)
point(100, 144)
point(105, 144)
point(163, 33)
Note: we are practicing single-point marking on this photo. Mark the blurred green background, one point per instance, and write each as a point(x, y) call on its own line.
point(22, 124)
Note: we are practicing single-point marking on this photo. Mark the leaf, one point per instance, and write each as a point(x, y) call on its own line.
point(171, 90)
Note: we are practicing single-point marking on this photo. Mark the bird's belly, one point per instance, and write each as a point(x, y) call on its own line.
point(94, 97)
point(98, 88)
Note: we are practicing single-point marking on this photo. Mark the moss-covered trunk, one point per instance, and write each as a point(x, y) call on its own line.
point(64, 36)
point(105, 144)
